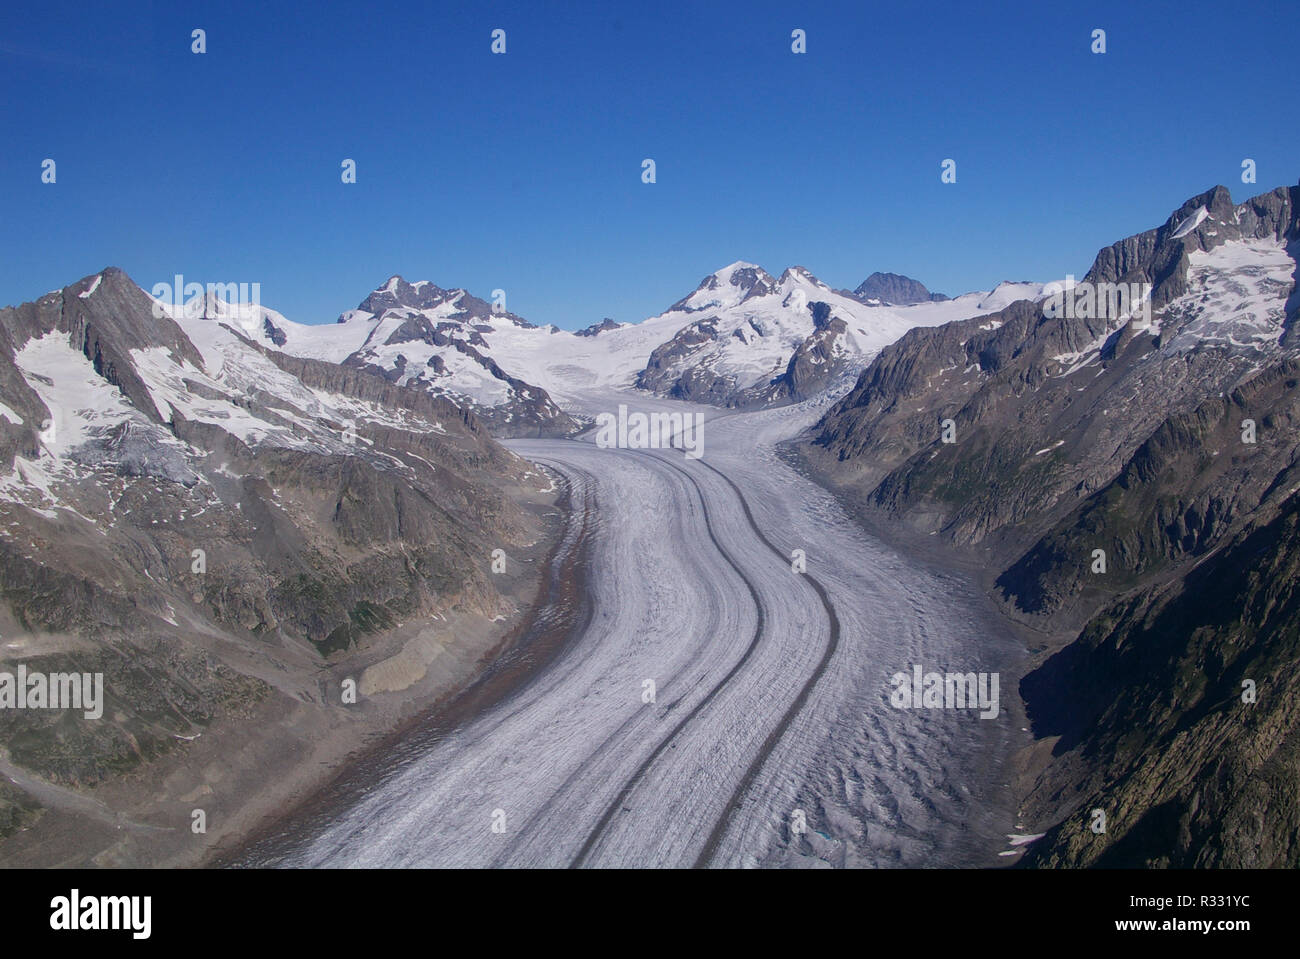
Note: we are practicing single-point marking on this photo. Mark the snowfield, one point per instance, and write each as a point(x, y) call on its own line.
point(1238, 297)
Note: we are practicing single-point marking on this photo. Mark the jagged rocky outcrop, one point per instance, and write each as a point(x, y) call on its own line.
point(596, 329)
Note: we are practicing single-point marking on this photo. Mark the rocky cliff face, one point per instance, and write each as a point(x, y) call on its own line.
point(206, 520)
point(1177, 714)
point(1096, 455)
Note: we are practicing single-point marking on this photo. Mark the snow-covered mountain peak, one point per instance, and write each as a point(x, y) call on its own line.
point(794, 274)
point(743, 338)
point(396, 292)
point(1008, 291)
point(727, 287)
point(739, 271)
point(800, 278)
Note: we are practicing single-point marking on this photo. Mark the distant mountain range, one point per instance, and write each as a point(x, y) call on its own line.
point(741, 339)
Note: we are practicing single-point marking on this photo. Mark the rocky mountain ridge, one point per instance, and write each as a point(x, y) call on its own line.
point(1098, 461)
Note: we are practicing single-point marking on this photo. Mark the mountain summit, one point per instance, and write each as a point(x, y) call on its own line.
point(894, 289)
point(726, 288)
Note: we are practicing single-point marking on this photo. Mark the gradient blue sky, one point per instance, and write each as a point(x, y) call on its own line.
point(523, 171)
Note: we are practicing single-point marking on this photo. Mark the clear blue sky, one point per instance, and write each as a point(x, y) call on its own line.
point(523, 171)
